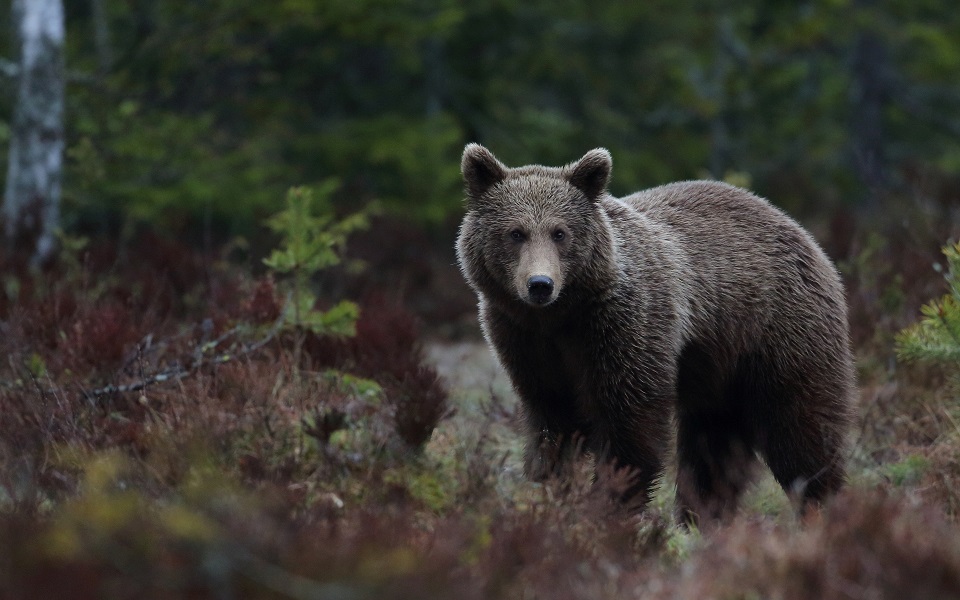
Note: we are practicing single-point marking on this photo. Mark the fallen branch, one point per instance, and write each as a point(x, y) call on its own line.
point(176, 373)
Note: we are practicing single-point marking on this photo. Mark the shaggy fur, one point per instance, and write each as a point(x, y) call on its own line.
point(695, 309)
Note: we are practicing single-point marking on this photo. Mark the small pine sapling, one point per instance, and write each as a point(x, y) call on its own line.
point(311, 240)
point(936, 337)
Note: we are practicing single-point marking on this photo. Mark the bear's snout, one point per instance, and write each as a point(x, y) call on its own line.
point(540, 288)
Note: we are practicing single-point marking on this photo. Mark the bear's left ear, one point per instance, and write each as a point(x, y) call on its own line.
point(481, 170)
point(591, 173)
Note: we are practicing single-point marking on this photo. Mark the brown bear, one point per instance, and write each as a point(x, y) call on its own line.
point(694, 309)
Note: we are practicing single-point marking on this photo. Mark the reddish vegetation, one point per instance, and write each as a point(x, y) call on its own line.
point(878, 545)
point(256, 477)
point(387, 348)
point(414, 269)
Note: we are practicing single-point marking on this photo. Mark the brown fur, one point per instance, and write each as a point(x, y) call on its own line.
point(694, 308)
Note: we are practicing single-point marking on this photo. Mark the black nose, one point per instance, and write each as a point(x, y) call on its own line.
point(540, 288)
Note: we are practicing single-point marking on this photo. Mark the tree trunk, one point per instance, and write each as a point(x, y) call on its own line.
point(101, 32)
point(34, 172)
point(870, 94)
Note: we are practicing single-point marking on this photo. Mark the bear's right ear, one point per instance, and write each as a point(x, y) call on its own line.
point(591, 173)
point(481, 170)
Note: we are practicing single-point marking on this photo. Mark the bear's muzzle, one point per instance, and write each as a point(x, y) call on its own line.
point(540, 289)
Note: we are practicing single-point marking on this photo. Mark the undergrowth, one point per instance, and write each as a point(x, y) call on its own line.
point(174, 424)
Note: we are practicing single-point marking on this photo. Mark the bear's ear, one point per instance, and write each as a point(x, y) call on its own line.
point(591, 173)
point(481, 170)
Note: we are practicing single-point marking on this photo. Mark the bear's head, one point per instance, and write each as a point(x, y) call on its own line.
point(530, 232)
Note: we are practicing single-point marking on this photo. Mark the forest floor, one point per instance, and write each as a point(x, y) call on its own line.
point(163, 435)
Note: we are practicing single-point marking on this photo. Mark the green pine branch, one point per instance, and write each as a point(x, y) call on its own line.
point(311, 240)
point(936, 337)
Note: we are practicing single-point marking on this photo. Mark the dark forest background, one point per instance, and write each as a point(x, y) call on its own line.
point(182, 111)
point(249, 367)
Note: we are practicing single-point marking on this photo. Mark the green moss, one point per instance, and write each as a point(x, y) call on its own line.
point(907, 471)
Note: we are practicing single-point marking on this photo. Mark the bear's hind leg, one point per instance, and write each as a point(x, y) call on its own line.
point(715, 462)
point(806, 456)
point(715, 443)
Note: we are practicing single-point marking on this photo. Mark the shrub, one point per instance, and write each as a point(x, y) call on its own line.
point(387, 349)
point(936, 338)
point(310, 242)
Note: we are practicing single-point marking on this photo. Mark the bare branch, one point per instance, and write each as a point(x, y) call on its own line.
point(201, 358)
point(11, 70)
point(177, 373)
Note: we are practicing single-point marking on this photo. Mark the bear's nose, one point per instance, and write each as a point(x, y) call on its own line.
point(540, 288)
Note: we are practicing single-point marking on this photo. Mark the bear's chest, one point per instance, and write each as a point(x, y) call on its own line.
point(577, 361)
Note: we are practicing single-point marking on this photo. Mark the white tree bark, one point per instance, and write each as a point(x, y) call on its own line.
point(34, 172)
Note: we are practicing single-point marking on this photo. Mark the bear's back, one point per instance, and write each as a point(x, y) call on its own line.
point(711, 210)
point(730, 234)
point(750, 263)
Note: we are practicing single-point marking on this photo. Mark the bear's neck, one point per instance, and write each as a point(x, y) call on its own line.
point(574, 303)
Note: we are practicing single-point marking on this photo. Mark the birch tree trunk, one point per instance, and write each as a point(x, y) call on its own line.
point(32, 196)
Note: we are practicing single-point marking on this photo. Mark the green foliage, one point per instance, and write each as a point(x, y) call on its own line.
point(164, 167)
point(356, 432)
point(71, 255)
point(36, 366)
point(407, 158)
point(875, 274)
point(766, 497)
point(107, 509)
point(936, 338)
point(907, 471)
point(209, 108)
point(344, 383)
point(311, 241)
point(427, 483)
point(681, 543)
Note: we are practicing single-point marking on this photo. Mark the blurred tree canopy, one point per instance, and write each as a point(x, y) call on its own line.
point(179, 110)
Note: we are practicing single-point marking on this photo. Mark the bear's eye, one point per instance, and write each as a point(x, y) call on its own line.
point(558, 235)
point(517, 235)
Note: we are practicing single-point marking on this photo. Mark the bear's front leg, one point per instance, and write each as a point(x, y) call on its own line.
point(633, 429)
point(639, 450)
point(546, 392)
point(550, 450)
